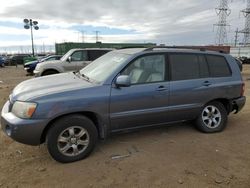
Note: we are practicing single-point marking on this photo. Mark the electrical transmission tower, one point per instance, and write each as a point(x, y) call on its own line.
point(246, 30)
point(223, 12)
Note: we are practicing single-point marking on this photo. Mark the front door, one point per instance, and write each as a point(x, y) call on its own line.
point(145, 102)
point(74, 63)
point(84, 61)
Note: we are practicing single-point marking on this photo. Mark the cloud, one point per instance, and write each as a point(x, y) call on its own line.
point(178, 22)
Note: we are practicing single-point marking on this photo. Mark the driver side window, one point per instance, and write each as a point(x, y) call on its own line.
point(79, 56)
point(146, 69)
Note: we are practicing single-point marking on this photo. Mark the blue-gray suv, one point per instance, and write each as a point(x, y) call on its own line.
point(123, 90)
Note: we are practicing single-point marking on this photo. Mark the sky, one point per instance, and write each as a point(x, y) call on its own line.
point(170, 22)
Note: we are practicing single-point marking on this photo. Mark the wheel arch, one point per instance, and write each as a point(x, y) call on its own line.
point(50, 69)
point(225, 102)
point(94, 117)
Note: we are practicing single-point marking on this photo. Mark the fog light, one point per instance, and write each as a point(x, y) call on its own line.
point(8, 130)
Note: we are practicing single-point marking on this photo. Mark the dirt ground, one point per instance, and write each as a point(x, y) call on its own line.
point(170, 156)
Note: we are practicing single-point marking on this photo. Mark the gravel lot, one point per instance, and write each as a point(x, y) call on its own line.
point(170, 156)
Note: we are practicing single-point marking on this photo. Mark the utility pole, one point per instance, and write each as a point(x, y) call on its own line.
point(43, 48)
point(246, 30)
point(223, 12)
point(82, 31)
point(97, 36)
point(236, 37)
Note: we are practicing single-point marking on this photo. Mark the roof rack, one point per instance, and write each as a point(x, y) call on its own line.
point(203, 49)
point(175, 47)
point(127, 47)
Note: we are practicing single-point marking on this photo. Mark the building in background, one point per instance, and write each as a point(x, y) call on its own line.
point(62, 48)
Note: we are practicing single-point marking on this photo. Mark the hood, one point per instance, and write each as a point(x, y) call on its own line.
point(30, 62)
point(51, 62)
point(47, 64)
point(42, 86)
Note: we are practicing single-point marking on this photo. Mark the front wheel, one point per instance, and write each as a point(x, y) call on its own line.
point(71, 138)
point(213, 118)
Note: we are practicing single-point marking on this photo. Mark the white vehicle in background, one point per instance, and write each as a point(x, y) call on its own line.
point(73, 60)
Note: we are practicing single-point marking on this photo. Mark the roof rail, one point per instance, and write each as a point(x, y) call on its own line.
point(127, 47)
point(175, 47)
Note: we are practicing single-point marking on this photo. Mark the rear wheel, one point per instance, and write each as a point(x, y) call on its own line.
point(213, 118)
point(71, 138)
point(49, 72)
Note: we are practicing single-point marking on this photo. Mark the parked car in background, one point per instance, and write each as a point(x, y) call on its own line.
point(29, 59)
point(34, 58)
point(245, 60)
point(7, 59)
point(18, 59)
point(73, 60)
point(30, 66)
point(239, 62)
point(2, 61)
point(124, 90)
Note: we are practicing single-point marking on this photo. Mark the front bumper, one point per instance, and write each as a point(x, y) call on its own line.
point(28, 69)
point(26, 131)
point(238, 103)
point(37, 73)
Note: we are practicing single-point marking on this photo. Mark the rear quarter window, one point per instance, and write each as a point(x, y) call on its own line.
point(218, 66)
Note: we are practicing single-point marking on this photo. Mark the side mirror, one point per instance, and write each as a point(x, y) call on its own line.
point(123, 81)
point(69, 59)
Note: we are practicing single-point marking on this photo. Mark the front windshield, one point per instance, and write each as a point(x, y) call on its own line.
point(100, 69)
point(44, 59)
point(64, 58)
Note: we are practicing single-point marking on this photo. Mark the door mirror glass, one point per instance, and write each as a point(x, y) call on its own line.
point(123, 81)
point(69, 59)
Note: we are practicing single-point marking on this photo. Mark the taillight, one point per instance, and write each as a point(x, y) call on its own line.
point(242, 89)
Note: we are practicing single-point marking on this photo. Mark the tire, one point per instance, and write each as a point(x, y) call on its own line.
point(49, 72)
point(213, 118)
point(71, 138)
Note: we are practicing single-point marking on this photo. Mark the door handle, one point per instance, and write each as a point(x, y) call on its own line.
point(161, 88)
point(207, 83)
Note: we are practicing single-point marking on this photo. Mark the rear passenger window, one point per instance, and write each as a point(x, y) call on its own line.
point(184, 66)
point(218, 66)
point(94, 54)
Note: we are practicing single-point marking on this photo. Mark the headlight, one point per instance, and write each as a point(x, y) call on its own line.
point(38, 67)
point(23, 109)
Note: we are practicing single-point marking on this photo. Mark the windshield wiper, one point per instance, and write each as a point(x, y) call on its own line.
point(77, 73)
point(83, 75)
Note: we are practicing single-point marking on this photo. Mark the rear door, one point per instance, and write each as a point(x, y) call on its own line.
point(224, 85)
point(189, 85)
point(94, 54)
